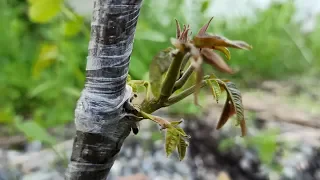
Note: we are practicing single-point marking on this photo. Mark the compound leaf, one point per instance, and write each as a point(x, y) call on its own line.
point(232, 106)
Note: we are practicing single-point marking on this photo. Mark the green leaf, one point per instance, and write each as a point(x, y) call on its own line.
point(158, 67)
point(181, 132)
point(204, 6)
point(34, 131)
point(232, 106)
point(42, 11)
point(150, 35)
point(266, 144)
point(175, 123)
point(72, 28)
point(47, 56)
point(72, 91)
point(41, 88)
point(182, 148)
point(215, 89)
point(172, 139)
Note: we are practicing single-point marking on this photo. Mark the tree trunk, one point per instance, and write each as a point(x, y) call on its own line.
point(100, 114)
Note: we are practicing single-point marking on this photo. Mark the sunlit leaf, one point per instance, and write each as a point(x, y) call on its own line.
point(158, 67)
point(215, 89)
point(224, 50)
point(48, 54)
point(215, 60)
point(232, 106)
point(72, 28)
point(42, 11)
point(182, 148)
point(172, 139)
point(210, 41)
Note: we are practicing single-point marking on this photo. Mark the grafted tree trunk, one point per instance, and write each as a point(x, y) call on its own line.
point(100, 118)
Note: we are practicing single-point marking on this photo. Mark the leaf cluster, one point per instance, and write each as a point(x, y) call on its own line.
point(174, 67)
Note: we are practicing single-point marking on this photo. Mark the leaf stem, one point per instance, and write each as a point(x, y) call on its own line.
point(183, 94)
point(184, 78)
point(171, 77)
point(185, 60)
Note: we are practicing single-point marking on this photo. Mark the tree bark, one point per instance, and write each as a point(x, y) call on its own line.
point(100, 118)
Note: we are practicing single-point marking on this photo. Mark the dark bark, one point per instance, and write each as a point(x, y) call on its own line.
point(100, 114)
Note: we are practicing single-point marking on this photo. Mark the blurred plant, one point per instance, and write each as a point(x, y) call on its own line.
point(41, 62)
point(265, 143)
point(170, 70)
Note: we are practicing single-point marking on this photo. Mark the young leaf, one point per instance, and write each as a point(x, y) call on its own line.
point(182, 148)
point(175, 123)
point(215, 89)
point(204, 28)
point(172, 139)
point(210, 41)
point(224, 50)
point(178, 29)
point(181, 132)
point(158, 67)
point(43, 11)
point(233, 105)
point(227, 112)
point(215, 60)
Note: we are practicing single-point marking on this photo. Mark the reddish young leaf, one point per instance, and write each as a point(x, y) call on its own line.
point(185, 32)
point(215, 60)
point(178, 30)
point(227, 112)
point(204, 28)
point(210, 41)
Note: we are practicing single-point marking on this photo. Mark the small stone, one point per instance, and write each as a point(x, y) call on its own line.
point(34, 146)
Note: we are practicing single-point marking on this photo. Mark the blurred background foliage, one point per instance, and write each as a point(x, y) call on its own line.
point(43, 49)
